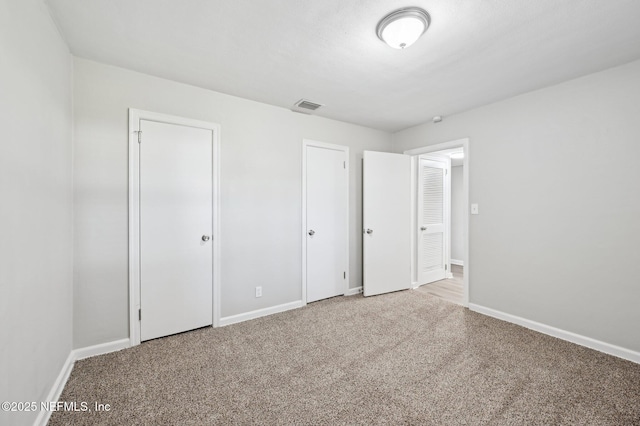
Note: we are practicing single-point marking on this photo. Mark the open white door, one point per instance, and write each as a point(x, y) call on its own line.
point(433, 213)
point(387, 222)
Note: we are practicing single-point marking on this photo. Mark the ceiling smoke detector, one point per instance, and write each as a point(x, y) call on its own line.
point(306, 106)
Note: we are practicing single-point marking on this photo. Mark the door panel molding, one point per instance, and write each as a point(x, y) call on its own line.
point(307, 143)
point(135, 116)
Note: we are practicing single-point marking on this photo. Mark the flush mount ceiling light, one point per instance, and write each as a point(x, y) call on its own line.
point(403, 27)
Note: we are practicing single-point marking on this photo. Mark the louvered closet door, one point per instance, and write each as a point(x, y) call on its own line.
point(432, 211)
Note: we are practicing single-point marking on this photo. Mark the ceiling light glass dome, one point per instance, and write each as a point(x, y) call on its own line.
point(403, 27)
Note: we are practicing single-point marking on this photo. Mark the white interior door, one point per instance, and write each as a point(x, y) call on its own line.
point(387, 222)
point(433, 211)
point(175, 228)
point(327, 181)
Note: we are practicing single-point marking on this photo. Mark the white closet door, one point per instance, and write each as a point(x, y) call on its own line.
point(432, 219)
point(327, 183)
point(175, 228)
point(387, 222)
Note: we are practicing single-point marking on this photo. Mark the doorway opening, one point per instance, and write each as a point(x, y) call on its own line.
point(440, 220)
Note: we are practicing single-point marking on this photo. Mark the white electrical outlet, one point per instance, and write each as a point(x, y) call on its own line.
point(474, 209)
point(258, 291)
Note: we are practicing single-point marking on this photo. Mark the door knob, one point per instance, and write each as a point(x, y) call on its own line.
point(423, 228)
point(369, 231)
point(312, 232)
point(205, 238)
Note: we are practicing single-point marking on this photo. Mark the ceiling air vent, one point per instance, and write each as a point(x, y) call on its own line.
point(305, 106)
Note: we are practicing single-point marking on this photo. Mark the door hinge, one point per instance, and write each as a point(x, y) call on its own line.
point(446, 172)
point(139, 136)
point(445, 267)
point(344, 275)
point(344, 164)
point(139, 314)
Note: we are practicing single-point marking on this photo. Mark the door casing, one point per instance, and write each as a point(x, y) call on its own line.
point(135, 116)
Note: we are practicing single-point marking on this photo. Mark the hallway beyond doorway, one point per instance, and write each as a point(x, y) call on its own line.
point(451, 289)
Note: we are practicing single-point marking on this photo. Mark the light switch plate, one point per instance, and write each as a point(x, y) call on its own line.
point(474, 209)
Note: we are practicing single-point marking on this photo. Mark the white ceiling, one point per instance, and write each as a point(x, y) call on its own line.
point(278, 51)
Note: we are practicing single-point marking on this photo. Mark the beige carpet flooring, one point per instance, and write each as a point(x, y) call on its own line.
point(401, 358)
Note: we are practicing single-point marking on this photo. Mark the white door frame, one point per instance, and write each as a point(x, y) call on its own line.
point(464, 143)
point(311, 143)
point(135, 116)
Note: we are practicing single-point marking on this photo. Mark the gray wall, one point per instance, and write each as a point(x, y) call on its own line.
point(457, 213)
point(35, 206)
point(556, 175)
point(261, 187)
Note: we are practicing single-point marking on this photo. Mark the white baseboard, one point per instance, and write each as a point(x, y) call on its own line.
point(456, 262)
point(103, 348)
point(353, 291)
point(65, 372)
point(56, 390)
point(578, 339)
point(233, 319)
